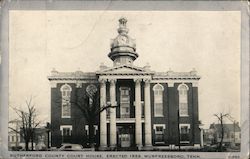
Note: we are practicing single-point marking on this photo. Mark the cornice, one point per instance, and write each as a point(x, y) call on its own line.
point(171, 75)
point(114, 71)
point(51, 78)
point(175, 78)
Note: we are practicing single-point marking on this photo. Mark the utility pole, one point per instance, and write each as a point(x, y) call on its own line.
point(48, 128)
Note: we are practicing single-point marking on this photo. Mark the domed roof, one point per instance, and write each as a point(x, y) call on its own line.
point(123, 40)
point(123, 45)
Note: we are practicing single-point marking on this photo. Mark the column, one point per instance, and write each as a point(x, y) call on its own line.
point(103, 119)
point(147, 114)
point(113, 113)
point(202, 137)
point(138, 126)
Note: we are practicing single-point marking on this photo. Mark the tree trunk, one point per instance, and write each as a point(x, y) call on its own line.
point(222, 134)
point(32, 141)
point(91, 135)
point(26, 144)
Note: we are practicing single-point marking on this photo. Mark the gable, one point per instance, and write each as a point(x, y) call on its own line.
point(123, 69)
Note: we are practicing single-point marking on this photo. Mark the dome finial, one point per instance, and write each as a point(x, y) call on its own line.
point(123, 26)
point(123, 22)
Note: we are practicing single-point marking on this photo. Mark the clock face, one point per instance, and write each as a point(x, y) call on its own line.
point(123, 39)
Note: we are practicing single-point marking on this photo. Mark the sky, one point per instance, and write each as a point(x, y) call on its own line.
point(208, 41)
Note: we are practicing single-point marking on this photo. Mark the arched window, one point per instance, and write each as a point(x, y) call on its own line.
point(66, 106)
point(158, 100)
point(183, 99)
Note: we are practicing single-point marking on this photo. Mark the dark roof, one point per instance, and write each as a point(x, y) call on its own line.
point(227, 127)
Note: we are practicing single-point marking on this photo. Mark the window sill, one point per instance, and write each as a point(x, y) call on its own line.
point(65, 116)
point(184, 142)
point(160, 142)
point(158, 116)
point(184, 115)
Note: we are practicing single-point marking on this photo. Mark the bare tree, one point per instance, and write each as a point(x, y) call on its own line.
point(220, 118)
point(89, 105)
point(29, 122)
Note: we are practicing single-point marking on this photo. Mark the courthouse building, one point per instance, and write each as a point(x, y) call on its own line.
point(149, 109)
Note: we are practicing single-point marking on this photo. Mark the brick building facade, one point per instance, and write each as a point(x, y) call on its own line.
point(149, 108)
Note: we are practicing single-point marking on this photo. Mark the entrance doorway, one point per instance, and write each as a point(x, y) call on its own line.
point(125, 140)
point(126, 135)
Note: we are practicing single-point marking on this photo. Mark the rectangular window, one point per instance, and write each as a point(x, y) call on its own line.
point(87, 129)
point(66, 130)
point(124, 102)
point(184, 133)
point(159, 133)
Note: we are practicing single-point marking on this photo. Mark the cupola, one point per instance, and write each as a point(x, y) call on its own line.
point(123, 47)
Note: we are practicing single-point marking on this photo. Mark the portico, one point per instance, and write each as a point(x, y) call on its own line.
point(139, 81)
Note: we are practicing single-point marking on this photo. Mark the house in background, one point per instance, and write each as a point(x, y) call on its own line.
point(232, 134)
point(16, 141)
point(14, 135)
point(152, 109)
point(41, 139)
point(208, 137)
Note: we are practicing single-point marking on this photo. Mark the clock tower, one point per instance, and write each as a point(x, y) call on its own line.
point(123, 48)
